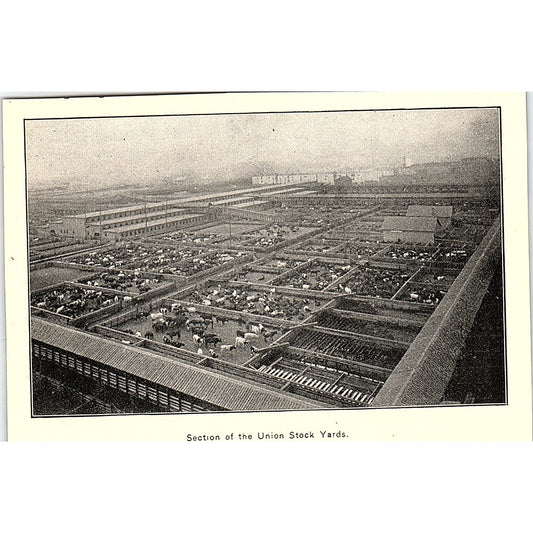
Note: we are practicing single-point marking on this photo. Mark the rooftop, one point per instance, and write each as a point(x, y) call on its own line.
point(153, 223)
point(123, 220)
point(273, 193)
point(425, 224)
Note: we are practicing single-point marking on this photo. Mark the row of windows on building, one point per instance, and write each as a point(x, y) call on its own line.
point(118, 380)
point(168, 225)
point(136, 221)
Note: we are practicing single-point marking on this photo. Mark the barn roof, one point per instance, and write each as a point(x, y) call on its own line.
point(442, 211)
point(424, 224)
point(212, 387)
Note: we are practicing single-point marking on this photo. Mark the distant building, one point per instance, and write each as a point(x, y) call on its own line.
point(291, 179)
point(443, 213)
point(343, 181)
point(365, 175)
point(416, 230)
point(328, 178)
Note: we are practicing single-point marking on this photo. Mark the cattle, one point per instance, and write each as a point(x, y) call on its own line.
point(174, 333)
point(250, 335)
point(198, 330)
point(200, 352)
point(212, 339)
point(240, 342)
point(227, 347)
point(160, 325)
point(255, 329)
point(196, 338)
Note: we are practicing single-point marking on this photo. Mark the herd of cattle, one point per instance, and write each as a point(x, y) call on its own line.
point(75, 301)
point(126, 281)
point(157, 259)
point(317, 277)
point(378, 282)
point(255, 302)
point(178, 320)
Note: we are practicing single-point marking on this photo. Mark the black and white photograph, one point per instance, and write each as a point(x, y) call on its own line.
point(265, 261)
point(272, 261)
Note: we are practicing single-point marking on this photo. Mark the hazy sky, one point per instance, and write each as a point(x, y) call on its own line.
point(115, 150)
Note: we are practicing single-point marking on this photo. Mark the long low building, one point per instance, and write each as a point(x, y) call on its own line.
point(443, 213)
point(421, 230)
point(154, 226)
point(98, 229)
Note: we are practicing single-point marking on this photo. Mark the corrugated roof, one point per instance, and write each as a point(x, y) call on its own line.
point(424, 224)
point(274, 193)
point(152, 223)
point(223, 391)
point(151, 215)
point(441, 211)
point(233, 200)
point(250, 204)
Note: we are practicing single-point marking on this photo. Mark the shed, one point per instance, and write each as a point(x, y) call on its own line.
point(442, 212)
point(420, 230)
